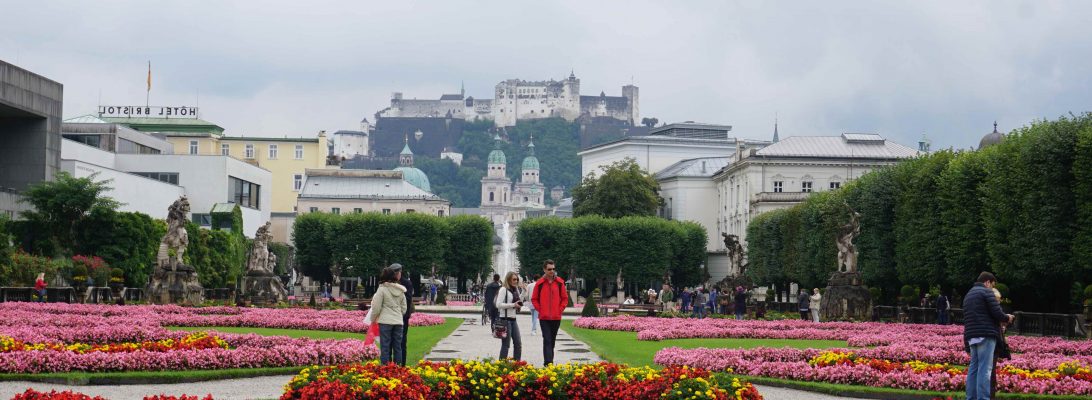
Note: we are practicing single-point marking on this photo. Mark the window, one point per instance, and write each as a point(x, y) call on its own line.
point(169, 177)
point(358, 210)
point(386, 211)
point(835, 185)
point(314, 209)
point(335, 210)
point(225, 149)
point(202, 219)
point(193, 147)
point(272, 152)
point(805, 186)
point(243, 193)
point(299, 151)
point(778, 186)
point(249, 152)
point(490, 196)
point(440, 213)
point(297, 182)
point(410, 211)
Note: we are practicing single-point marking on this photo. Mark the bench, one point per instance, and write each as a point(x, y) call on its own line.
point(639, 310)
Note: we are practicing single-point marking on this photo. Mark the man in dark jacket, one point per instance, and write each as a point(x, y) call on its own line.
point(805, 305)
point(982, 318)
point(942, 309)
point(491, 291)
point(408, 284)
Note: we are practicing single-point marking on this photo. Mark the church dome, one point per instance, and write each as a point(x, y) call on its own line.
point(991, 138)
point(415, 177)
point(531, 162)
point(497, 157)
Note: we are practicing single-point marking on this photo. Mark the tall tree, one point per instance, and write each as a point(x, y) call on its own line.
point(621, 189)
point(469, 251)
point(313, 253)
point(62, 204)
point(961, 233)
point(918, 258)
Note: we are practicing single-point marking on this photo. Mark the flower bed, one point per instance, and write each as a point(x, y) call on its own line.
point(511, 379)
point(37, 338)
point(31, 394)
point(907, 356)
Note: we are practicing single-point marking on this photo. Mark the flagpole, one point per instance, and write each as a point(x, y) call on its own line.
point(148, 94)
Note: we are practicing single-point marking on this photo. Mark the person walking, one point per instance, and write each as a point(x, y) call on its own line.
point(741, 302)
point(534, 311)
point(700, 298)
point(943, 305)
point(714, 301)
point(491, 291)
point(805, 304)
point(509, 302)
point(667, 296)
point(550, 298)
point(686, 296)
point(982, 319)
point(410, 293)
point(388, 308)
point(816, 300)
point(40, 287)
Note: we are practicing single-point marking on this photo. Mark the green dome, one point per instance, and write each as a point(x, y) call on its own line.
point(531, 162)
point(415, 177)
point(497, 157)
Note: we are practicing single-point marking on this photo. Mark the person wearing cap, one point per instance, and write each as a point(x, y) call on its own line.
point(388, 309)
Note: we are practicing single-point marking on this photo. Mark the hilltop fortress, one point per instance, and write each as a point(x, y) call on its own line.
point(516, 99)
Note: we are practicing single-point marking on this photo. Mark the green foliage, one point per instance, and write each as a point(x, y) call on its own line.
point(469, 251)
point(1021, 209)
point(1003, 288)
point(125, 240)
point(7, 243)
point(590, 309)
point(621, 189)
point(285, 257)
point(909, 294)
point(643, 249)
point(218, 256)
point(23, 268)
point(313, 254)
point(232, 220)
point(461, 185)
point(60, 206)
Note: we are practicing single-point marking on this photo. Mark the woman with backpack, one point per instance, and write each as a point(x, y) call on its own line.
point(509, 302)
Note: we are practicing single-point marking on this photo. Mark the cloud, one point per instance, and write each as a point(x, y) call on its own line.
point(901, 69)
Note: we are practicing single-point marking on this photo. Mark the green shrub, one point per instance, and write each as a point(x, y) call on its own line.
point(590, 309)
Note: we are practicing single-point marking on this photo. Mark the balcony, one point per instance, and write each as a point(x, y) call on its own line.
point(782, 197)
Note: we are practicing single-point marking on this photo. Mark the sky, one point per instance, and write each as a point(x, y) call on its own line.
point(943, 69)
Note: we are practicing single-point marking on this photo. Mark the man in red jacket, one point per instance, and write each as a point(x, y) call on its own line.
point(550, 299)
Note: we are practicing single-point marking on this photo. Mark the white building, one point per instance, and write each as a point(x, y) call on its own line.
point(665, 146)
point(783, 174)
point(349, 144)
point(501, 202)
point(146, 181)
point(690, 194)
point(340, 191)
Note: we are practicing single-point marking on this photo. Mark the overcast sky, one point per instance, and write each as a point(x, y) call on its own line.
point(946, 69)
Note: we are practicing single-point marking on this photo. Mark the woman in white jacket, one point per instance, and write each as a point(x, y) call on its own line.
point(509, 301)
point(816, 300)
point(388, 306)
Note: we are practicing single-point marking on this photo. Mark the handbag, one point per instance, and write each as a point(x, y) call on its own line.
point(500, 328)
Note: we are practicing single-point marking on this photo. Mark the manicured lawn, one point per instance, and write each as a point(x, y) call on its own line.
point(623, 347)
point(422, 339)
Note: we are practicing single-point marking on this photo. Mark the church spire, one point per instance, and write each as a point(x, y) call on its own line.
point(405, 158)
point(775, 138)
point(531, 145)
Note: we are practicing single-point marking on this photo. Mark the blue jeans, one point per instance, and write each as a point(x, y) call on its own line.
point(534, 320)
point(699, 311)
point(513, 337)
point(978, 372)
point(390, 341)
point(942, 317)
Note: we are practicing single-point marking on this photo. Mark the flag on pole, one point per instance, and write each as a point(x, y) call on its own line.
point(149, 76)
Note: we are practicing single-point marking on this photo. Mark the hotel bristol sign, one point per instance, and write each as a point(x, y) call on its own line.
point(143, 111)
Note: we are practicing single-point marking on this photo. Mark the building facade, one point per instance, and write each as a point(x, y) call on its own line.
point(516, 99)
point(501, 200)
point(785, 173)
point(30, 133)
point(340, 191)
point(690, 194)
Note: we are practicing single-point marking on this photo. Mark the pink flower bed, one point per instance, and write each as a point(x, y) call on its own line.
point(103, 324)
point(1036, 358)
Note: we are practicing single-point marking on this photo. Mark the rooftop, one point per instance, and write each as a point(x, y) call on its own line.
point(270, 139)
point(661, 139)
point(169, 126)
point(361, 184)
point(690, 126)
point(849, 145)
point(694, 167)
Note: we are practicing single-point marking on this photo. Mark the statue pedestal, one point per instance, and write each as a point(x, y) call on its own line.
point(175, 287)
point(262, 287)
point(846, 299)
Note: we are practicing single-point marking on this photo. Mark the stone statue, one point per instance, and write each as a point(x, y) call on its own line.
point(173, 282)
point(735, 252)
point(847, 252)
point(260, 285)
point(261, 260)
point(176, 238)
point(620, 293)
